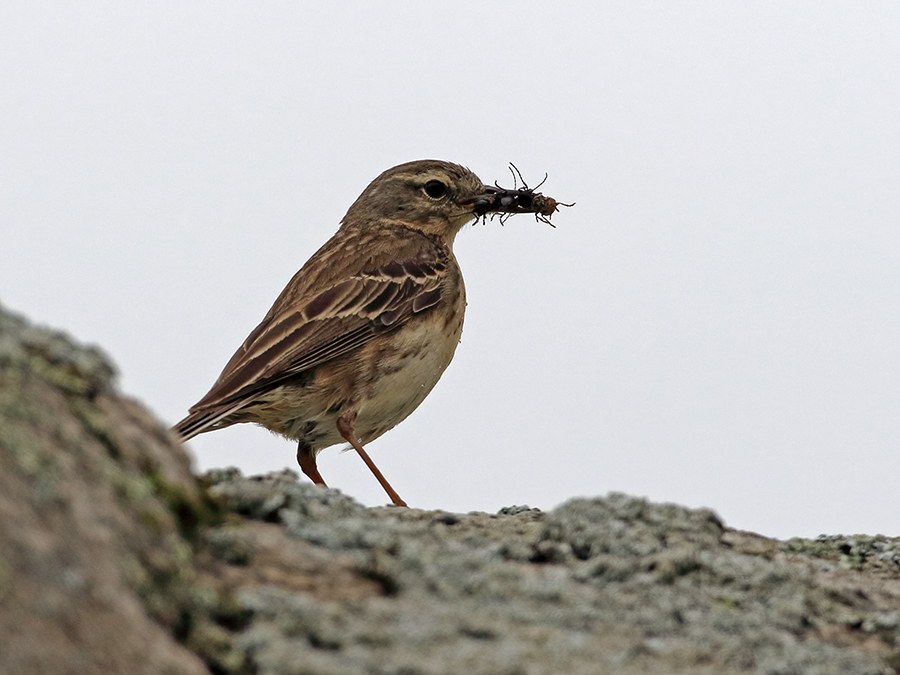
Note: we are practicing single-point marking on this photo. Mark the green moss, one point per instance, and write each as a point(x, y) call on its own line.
point(215, 645)
point(96, 424)
point(225, 545)
point(815, 548)
point(63, 377)
point(132, 487)
point(165, 586)
point(31, 459)
point(192, 510)
point(57, 360)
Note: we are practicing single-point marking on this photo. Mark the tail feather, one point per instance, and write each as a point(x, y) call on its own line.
point(200, 421)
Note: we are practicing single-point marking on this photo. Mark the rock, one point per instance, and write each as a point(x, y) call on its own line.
point(115, 558)
point(97, 507)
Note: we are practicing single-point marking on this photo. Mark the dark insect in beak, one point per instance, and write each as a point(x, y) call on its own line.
point(504, 201)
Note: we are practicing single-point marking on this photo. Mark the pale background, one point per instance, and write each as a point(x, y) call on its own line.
point(715, 323)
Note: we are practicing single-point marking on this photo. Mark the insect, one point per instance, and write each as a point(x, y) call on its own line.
point(516, 200)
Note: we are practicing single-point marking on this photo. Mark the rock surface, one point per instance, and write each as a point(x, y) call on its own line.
point(114, 558)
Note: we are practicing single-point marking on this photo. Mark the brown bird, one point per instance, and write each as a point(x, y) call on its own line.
point(365, 329)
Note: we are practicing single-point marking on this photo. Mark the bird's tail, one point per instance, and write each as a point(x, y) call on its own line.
point(200, 421)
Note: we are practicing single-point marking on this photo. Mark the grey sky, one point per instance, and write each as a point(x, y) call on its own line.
point(715, 323)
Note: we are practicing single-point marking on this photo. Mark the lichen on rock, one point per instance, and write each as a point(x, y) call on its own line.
point(115, 558)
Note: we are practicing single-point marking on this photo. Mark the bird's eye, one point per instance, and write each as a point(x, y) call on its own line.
point(435, 189)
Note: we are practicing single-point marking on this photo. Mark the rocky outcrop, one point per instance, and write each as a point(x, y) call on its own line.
point(114, 558)
point(98, 510)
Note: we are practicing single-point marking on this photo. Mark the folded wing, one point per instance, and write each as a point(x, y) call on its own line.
point(295, 340)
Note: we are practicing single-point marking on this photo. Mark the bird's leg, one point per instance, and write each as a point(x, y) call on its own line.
point(306, 458)
point(345, 429)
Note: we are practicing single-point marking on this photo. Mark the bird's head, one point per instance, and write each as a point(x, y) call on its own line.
point(430, 195)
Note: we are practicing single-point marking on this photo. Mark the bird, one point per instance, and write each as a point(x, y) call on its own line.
point(363, 332)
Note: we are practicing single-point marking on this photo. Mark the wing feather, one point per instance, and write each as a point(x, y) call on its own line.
point(335, 321)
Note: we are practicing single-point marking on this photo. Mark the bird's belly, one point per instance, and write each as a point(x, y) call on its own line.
point(404, 375)
point(382, 383)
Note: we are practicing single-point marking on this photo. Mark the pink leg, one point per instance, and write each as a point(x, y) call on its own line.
point(306, 458)
point(345, 428)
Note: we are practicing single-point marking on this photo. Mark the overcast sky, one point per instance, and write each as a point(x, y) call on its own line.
point(715, 323)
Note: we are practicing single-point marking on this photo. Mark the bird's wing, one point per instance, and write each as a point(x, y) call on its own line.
point(334, 322)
